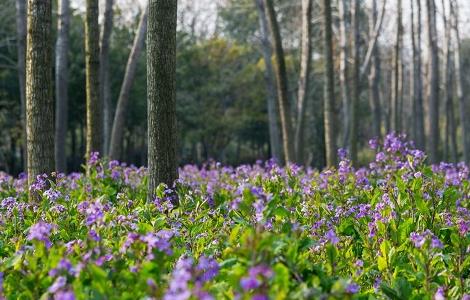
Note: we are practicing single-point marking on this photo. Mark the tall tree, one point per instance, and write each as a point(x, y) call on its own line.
point(344, 70)
point(353, 136)
point(161, 93)
point(21, 52)
point(105, 93)
point(304, 78)
point(61, 84)
point(329, 87)
point(282, 83)
point(397, 82)
point(450, 128)
point(433, 83)
point(94, 127)
point(416, 78)
point(463, 99)
point(374, 76)
point(273, 111)
point(115, 148)
point(39, 99)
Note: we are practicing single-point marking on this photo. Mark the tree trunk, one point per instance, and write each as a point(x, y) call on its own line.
point(21, 52)
point(39, 99)
point(123, 101)
point(273, 111)
point(463, 99)
point(161, 94)
point(329, 87)
point(282, 83)
point(353, 137)
point(344, 71)
point(94, 127)
point(397, 73)
point(105, 93)
point(433, 123)
point(374, 77)
point(451, 139)
point(304, 79)
point(61, 84)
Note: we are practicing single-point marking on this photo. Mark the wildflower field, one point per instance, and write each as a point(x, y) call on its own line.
point(398, 229)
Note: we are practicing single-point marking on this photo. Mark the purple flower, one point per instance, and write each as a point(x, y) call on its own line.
point(178, 288)
point(331, 237)
point(94, 157)
point(64, 295)
point(259, 297)
point(209, 268)
point(436, 243)
point(249, 283)
point(352, 288)
point(41, 232)
point(58, 284)
point(52, 195)
point(417, 239)
point(94, 235)
point(440, 294)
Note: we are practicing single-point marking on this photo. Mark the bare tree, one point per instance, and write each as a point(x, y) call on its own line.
point(353, 136)
point(329, 98)
point(21, 52)
point(161, 93)
point(433, 87)
point(105, 93)
point(463, 99)
point(374, 76)
point(92, 64)
point(304, 78)
point(397, 73)
point(61, 84)
point(282, 83)
point(123, 101)
point(39, 99)
point(273, 111)
point(344, 70)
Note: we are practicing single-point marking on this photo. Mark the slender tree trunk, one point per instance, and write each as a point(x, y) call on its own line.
point(433, 124)
point(123, 101)
point(105, 93)
point(374, 77)
point(282, 83)
point(397, 72)
point(273, 111)
point(353, 137)
point(21, 52)
point(451, 139)
point(344, 70)
point(39, 99)
point(463, 99)
point(161, 94)
point(304, 79)
point(61, 84)
point(329, 100)
point(94, 128)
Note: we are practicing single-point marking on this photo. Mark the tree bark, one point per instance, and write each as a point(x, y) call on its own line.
point(374, 77)
point(433, 88)
point(273, 111)
point(115, 149)
point(282, 83)
point(344, 71)
point(353, 137)
point(329, 87)
point(105, 93)
point(94, 127)
point(61, 84)
point(304, 79)
point(161, 94)
point(39, 100)
point(463, 99)
point(21, 52)
point(397, 72)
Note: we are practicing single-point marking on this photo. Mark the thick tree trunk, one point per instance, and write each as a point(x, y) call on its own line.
point(433, 123)
point(344, 70)
point(304, 79)
point(93, 104)
point(397, 72)
point(21, 52)
point(463, 99)
point(123, 101)
point(329, 100)
point(353, 137)
point(61, 84)
point(374, 77)
point(282, 83)
point(161, 94)
point(105, 93)
point(39, 99)
point(273, 111)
